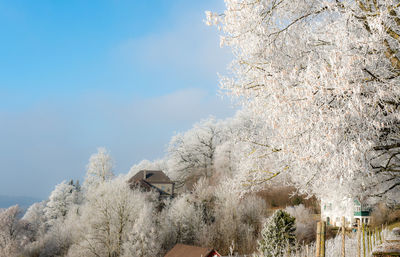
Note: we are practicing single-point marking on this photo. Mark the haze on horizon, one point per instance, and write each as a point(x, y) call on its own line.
point(125, 75)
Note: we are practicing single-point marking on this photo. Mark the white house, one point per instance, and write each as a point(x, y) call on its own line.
point(352, 209)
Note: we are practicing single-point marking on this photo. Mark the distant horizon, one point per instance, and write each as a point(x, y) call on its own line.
point(20, 200)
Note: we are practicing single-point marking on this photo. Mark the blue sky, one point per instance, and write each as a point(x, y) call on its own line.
point(76, 75)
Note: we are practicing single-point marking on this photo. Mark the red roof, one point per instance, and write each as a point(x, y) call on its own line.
point(181, 250)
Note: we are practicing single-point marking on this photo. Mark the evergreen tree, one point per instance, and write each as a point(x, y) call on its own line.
point(277, 235)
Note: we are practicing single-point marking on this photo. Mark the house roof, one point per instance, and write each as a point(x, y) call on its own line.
point(152, 176)
point(146, 186)
point(181, 250)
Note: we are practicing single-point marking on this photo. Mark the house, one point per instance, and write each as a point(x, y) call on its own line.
point(156, 180)
point(181, 250)
point(352, 209)
point(362, 212)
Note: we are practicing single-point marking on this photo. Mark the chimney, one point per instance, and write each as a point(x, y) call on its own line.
point(144, 175)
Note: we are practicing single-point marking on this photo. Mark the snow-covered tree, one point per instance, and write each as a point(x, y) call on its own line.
point(143, 240)
point(277, 236)
point(305, 224)
point(11, 231)
point(323, 75)
point(181, 222)
point(60, 201)
point(99, 168)
point(36, 217)
point(110, 212)
point(191, 154)
point(237, 220)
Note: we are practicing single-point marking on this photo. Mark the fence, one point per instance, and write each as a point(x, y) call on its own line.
point(349, 243)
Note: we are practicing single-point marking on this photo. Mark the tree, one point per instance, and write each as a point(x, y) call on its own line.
point(323, 75)
point(191, 154)
point(143, 240)
point(99, 168)
point(60, 201)
point(305, 225)
point(11, 231)
point(110, 211)
point(181, 222)
point(36, 218)
point(277, 235)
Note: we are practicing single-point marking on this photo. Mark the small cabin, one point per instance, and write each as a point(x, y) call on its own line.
point(181, 250)
point(156, 180)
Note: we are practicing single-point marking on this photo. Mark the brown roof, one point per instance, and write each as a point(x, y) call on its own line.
point(152, 176)
point(181, 250)
point(146, 186)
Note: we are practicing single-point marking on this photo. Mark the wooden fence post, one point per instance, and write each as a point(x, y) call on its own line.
point(368, 237)
point(358, 239)
point(318, 241)
point(343, 237)
point(323, 237)
point(363, 238)
point(307, 254)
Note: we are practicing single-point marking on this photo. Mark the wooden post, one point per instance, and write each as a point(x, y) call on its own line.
point(363, 239)
point(343, 237)
point(358, 239)
point(368, 237)
point(323, 236)
point(307, 254)
point(318, 241)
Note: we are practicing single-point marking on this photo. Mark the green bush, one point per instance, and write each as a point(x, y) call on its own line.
point(277, 235)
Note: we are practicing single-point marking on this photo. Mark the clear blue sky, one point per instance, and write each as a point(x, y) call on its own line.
point(79, 74)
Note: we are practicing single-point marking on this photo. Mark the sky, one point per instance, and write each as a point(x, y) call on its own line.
point(122, 74)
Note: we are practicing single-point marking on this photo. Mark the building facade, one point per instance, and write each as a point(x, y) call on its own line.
point(352, 209)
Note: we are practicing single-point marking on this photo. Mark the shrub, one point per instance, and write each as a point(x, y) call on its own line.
point(277, 235)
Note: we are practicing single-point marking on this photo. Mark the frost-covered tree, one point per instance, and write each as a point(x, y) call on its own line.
point(99, 168)
point(181, 222)
point(191, 154)
point(60, 201)
point(110, 211)
point(305, 224)
point(277, 235)
point(36, 217)
point(143, 240)
point(323, 75)
point(11, 231)
point(237, 220)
